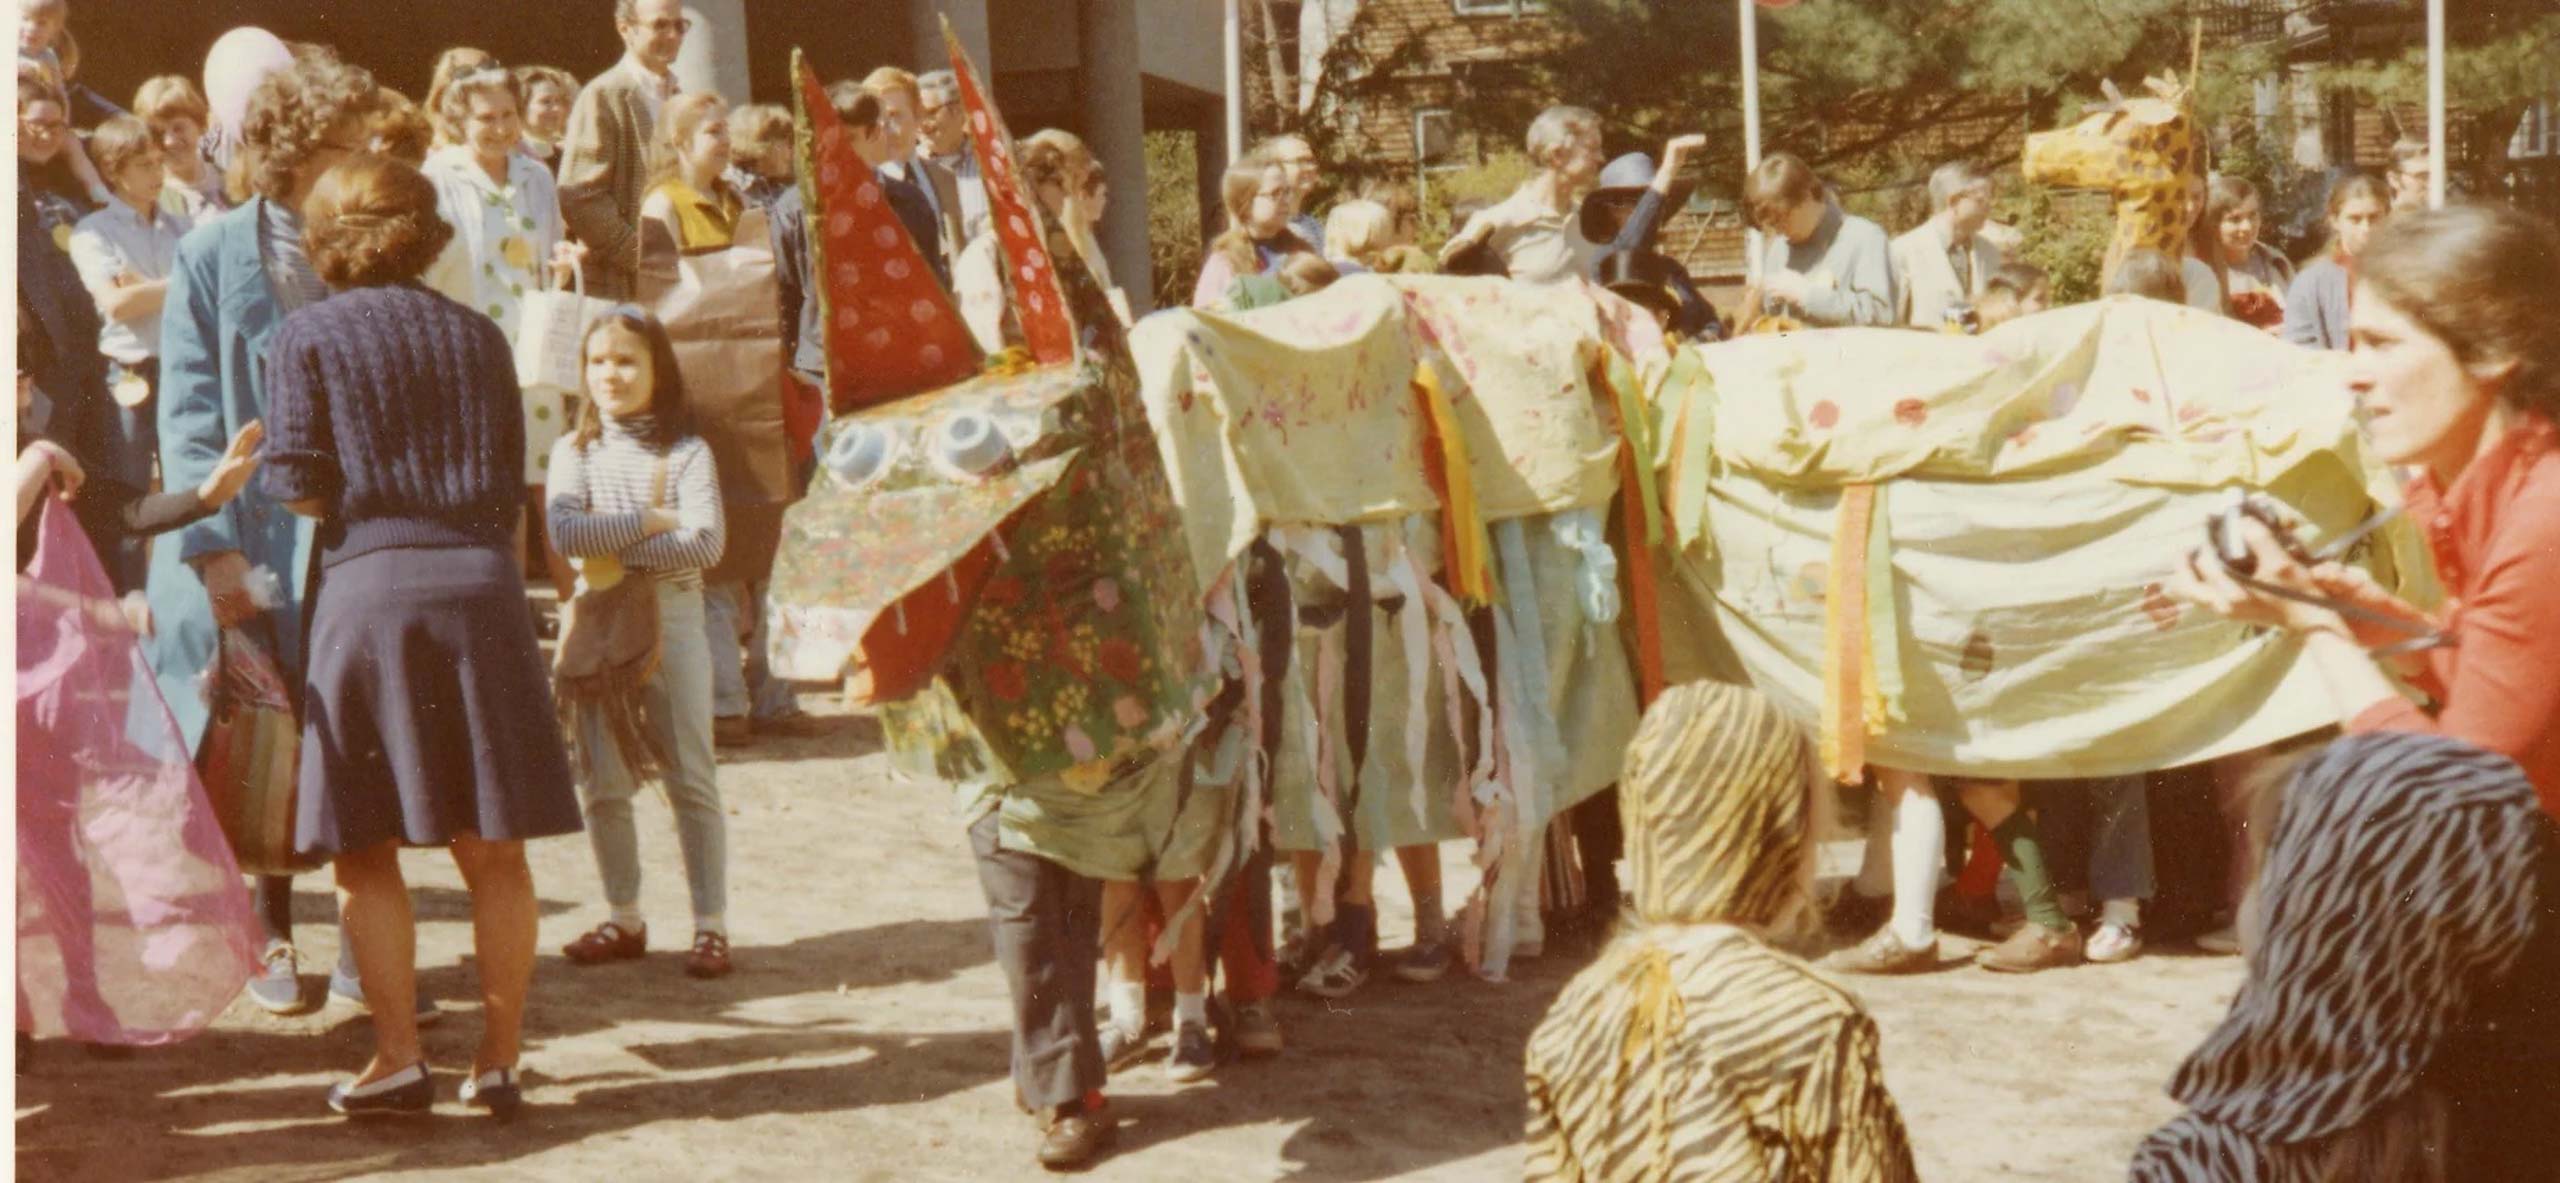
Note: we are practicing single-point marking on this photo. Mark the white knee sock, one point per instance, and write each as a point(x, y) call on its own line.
point(1919, 854)
point(1129, 1005)
point(1875, 870)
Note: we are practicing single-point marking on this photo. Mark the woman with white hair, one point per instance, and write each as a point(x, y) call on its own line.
point(1537, 231)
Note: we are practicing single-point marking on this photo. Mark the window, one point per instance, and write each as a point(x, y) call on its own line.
point(1435, 140)
point(1499, 7)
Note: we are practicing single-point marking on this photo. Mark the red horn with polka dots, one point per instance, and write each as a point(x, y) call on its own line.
point(890, 330)
point(1039, 303)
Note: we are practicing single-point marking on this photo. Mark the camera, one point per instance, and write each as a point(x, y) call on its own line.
point(2223, 534)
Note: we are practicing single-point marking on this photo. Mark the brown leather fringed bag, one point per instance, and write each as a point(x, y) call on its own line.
point(608, 652)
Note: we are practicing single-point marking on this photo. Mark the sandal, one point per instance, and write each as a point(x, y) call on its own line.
point(710, 956)
point(608, 942)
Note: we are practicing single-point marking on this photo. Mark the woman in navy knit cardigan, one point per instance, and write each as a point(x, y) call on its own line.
point(395, 421)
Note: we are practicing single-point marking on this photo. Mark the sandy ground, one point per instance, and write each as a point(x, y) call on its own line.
point(863, 1038)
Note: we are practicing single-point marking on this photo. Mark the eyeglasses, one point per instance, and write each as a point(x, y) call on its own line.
point(665, 25)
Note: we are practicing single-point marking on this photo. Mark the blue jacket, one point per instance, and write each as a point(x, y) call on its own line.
point(213, 345)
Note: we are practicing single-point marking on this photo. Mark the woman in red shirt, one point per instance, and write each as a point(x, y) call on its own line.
point(2457, 371)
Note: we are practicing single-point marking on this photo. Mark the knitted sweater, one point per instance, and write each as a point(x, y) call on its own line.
point(399, 409)
point(597, 494)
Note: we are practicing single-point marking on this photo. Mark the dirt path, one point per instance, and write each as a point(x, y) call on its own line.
point(862, 1038)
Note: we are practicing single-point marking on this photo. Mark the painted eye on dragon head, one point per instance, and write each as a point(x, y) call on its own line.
point(861, 454)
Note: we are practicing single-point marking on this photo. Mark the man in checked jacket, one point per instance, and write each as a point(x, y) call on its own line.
point(604, 163)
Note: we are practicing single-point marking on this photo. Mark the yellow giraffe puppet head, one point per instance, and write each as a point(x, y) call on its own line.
point(2143, 150)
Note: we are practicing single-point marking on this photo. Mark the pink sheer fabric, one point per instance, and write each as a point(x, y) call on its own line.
point(133, 924)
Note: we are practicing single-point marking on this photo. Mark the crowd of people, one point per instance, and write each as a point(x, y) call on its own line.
point(302, 319)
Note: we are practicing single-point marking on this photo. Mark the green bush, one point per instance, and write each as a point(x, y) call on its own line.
point(1490, 181)
point(1173, 216)
point(2065, 233)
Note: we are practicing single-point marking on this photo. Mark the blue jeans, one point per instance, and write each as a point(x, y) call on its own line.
point(2103, 824)
point(678, 705)
point(742, 683)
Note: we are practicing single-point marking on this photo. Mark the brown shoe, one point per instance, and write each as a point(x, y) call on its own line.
point(710, 956)
point(608, 942)
point(2032, 948)
point(1076, 1139)
point(1883, 953)
point(732, 731)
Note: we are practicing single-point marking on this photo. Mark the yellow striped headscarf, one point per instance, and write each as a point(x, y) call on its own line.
point(1713, 799)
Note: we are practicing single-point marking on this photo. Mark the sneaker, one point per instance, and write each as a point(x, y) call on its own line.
point(1337, 976)
point(1884, 953)
point(278, 987)
point(1257, 1031)
point(1426, 961)
point(1193, 1055)
point(2033, 948)
point(495, 1092)
point(1121, 1047)
point(2221, 942)
point(732, 731)
point(1299, 954)
point(344, 987)
point(406, 1093)
point(608, 942)
point(2113, 943)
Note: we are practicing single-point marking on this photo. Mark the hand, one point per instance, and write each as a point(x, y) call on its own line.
point(566, 257)
point(226, 584)
point(136, 609)
point(1679, 150)
point(61, 470)
point(1787, 285)
point(655, 521)
point(2201, 580)
point(1476, 230)
point(231, 473)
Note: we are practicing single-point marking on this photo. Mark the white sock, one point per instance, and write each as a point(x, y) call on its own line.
point(1129, 1005)
point(2122, 913)
point(627, 919)
point(1191, 1008)
point(1919, 854)
point(1875, 870)
point(718, 924)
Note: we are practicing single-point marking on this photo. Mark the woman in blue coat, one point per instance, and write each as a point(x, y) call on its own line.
point(246, 566)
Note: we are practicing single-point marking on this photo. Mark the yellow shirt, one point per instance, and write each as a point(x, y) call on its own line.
point(703, 223)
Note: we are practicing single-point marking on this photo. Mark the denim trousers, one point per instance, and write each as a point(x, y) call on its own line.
point(678, 706)
point(742, 681)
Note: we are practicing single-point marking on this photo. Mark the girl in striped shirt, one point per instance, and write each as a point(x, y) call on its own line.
point(634, 494)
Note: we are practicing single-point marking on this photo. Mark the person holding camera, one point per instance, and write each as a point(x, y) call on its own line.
point(2457, 370)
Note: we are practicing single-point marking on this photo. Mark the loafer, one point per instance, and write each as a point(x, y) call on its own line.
point(1883, 953)
point(406, 1093)
point(1076, 1139)
point(608, 942)
point(278, 987)
point(345, 987)
point(2033, 948)
point(495, 1092)
point(1257, 1031)
point(1194, 1057)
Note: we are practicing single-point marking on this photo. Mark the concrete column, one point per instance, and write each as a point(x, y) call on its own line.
point(968, 23)
point(1213, 158)
point(714, 56)
point(1115, 127)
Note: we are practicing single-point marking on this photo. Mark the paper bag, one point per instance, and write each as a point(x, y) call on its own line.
point(723, 310)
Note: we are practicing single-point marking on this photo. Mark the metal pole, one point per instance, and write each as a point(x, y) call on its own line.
point(2435, 104)
point(1750, 127)
point(1235, 79)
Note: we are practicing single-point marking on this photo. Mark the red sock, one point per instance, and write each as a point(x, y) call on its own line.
point(1981, 876)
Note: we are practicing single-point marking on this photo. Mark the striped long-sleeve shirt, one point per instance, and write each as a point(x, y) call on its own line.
point(598, 493)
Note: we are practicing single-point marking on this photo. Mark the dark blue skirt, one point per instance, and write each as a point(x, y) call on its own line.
point(427, 706)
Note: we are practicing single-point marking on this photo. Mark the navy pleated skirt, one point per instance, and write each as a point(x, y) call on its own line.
point(427, 706)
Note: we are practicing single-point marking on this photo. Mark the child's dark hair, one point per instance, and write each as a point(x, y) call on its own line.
point(670, 419)
point(2017, 279)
